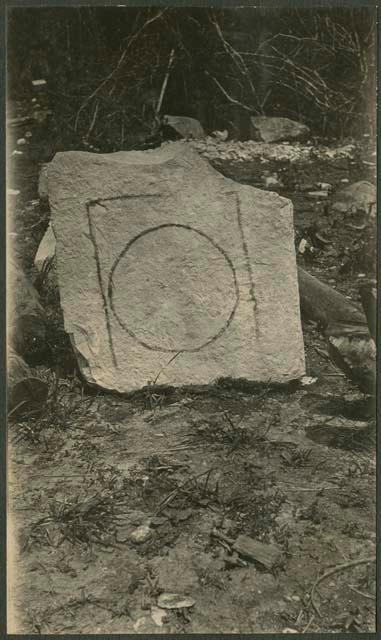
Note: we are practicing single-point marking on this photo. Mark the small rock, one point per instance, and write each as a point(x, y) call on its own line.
point(271, 181)
point(302, 246)
point(317, 194)
point(174, 601)
point(17, 153)
point(340, 207)
point(38, 83)
point(307, 380)
point(141, 534)
point(182, 514)
point(221, 135)
point(267, 129)
point(289, 630)
point(28, 134)
point(358, 196)
point(46, 249)
point(21, 141)
point(158, 615)
point(158, 522)
point(324, 186)
point(139, 624)
point(185, 127)
point(13, 192)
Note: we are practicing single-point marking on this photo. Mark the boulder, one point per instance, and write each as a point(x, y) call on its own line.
point(185, 127)
point(26, 316)
point(170, 273)
point(359, 197)
point(265, 129)
point(354, 351)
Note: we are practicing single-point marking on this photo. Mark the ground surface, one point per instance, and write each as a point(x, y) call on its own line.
point(293, 467)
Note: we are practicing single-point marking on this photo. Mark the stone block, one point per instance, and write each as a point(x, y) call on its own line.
point(170, 273)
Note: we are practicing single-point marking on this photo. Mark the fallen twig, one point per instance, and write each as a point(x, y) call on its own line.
point(369, 596)
point(308, 624)
point(339, 567)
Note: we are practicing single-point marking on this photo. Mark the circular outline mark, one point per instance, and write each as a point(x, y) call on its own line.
point(131, 333)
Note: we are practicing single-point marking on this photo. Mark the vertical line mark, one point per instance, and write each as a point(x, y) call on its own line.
point(100, 281)
point(248, 265)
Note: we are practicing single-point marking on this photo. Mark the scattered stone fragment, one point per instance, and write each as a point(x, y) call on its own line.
point(324, 186)
point(302, 246)
point(277, 129)
point(38, 83)
point(317, 194)
point(158, 615)
point(221, 135)
point(354, 351)
point(271, 182)
point(13, 192)
point(174, 601)
point(140, 624)
point(182, 514)
point(141, 534)
point(359, 196)
point(46, 249)
point(21, 141)
point(158, 522)
point(185, 127)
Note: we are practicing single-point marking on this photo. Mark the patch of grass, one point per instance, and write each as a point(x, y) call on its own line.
point(65, 407)
point(87, 515)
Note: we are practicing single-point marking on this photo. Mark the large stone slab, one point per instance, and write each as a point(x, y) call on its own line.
point(171, 273)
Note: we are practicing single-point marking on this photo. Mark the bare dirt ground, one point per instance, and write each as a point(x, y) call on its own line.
point(113, 501)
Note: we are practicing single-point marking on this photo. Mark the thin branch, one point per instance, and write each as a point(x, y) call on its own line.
point(165, 82)
point(118, 65)
point(236, 57)
point(232, 100)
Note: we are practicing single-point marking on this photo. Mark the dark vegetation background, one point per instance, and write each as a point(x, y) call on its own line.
point(105, 68)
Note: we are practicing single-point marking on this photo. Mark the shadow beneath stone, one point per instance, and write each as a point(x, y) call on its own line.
point(357, 409)
point(342, 437)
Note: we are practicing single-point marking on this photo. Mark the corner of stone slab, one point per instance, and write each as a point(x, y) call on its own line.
point(83, 364)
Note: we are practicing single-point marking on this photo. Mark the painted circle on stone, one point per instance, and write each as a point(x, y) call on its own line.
point(173, 289)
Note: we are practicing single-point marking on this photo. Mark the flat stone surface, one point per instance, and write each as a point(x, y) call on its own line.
point(171, 273)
